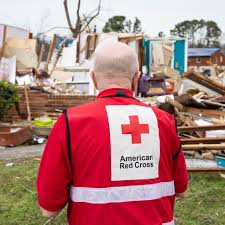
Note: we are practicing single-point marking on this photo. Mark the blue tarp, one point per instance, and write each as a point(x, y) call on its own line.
point(201, 52)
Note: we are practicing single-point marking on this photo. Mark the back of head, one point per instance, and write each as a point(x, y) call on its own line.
point(115, 63)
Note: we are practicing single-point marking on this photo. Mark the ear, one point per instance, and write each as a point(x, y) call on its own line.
point(135, 81)
point(93, 77)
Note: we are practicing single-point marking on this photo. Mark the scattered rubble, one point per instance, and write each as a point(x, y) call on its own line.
point(199, 113)
point(47, 88)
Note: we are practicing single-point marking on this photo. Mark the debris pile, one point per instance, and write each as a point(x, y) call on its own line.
point(20, 63)
point(47, 87)
point(198, 105)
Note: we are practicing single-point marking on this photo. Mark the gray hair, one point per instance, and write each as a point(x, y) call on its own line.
point(116, 59)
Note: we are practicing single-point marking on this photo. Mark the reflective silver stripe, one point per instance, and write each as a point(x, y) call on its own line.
point(122, 194)
point(169, 223)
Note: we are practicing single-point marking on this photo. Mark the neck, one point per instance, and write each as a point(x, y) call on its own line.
point(121, 83)
point(113, 86)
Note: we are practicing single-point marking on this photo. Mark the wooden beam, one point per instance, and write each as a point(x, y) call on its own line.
point(27, 103)
point(59, 54)
point(3, 41)
point(30, 35)
point(41, 55)
point(203, 147)
point(205, 81)
point(175, 103)
point(50, 52)
point(201, 128)
point(206, 170)
point(213, 140)
point(210, 112)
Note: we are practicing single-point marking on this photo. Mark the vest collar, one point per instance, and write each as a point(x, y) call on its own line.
point(115, 92)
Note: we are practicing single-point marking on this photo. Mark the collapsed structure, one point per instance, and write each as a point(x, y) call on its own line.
point(49, 87)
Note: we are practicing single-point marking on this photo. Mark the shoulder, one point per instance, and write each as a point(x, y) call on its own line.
point(163, 117)
point(82, 107)
point(88, 110)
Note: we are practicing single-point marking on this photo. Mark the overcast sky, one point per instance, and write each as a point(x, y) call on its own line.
point(156, 16)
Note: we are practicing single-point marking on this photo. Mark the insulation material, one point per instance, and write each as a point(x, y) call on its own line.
point(189, 84)
point(168, 54)
point(13, 32)
point(83, 42)
point(62, 76)
point(26, 79)
point(68, 58)
point(157, 54)
point(8, 69)
point(24, 50)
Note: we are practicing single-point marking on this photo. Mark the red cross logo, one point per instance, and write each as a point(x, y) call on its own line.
point(135, 129)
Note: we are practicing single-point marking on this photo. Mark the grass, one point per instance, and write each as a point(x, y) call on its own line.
point(204, 205)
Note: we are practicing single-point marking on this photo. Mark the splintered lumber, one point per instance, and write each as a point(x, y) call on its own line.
point(41, 55)
point(205, 169)
point(22, 72)
point(179, 106)
point(214, 140)
point(3, 41)
point(187, 121)
point(201, 128)
point(50, 52)
point(59, 54)
point(205, 81)
point(211, 112)
point(27, 103)
point(188, 100)
point(174, 103)
point(203, 147)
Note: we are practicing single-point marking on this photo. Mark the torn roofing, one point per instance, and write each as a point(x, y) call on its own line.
point(201, 52)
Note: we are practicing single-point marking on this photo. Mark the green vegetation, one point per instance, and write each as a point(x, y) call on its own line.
point(204, 204)
point(8, 97)
point(123, 25)
point(202, 33)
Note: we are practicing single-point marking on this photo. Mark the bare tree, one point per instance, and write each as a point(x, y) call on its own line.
point(81, 22)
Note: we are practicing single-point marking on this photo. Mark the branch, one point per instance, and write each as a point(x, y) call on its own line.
point(89, 21)
point(85, 20)
point(68, 15)
point(77, 27)
point(51, 30)
point(78, 9)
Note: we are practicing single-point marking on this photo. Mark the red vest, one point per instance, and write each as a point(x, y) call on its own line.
point(126, 163)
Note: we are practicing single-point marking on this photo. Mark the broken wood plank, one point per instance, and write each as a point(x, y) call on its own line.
point(214, 140)
point(203, 147)
point(174, 103)
point(205, 81)
point(189, 101)
point(201, 128)
point(205, 169)
point(41, 55)
point(27, 103)
point(187, 122)
point(3, 40)
point(210, 112)
point(59, 54)
point(50, 52)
